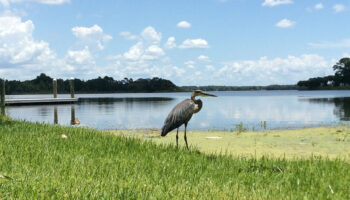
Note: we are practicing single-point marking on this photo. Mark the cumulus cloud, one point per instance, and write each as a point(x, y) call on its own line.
point(194, 44)
point(271, 3)
point(17, 45)
point(93, 36)
point(278, 70)
point(203, 58)
point(21, 56)
point(184, 24)
point(285, 23)
point(80, 57)
point(338, 8)
point(154, 51)
point(150, 35)
point(170, 43)
point(80, 62)
point(146, 58)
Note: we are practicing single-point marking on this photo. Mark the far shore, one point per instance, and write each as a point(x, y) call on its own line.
point(327, 142)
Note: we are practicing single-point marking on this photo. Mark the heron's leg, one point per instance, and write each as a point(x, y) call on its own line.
point(186, 137)
point(177, 137)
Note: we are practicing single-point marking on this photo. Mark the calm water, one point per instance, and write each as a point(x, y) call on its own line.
point(280, 109)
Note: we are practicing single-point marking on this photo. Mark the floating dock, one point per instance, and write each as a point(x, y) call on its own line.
point(40, 101)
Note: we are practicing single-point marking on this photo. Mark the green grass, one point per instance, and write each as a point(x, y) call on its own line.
point(93, 165)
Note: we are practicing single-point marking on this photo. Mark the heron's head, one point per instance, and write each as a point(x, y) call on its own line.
point(202, 94)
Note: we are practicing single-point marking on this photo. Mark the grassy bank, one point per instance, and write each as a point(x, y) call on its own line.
point(330, 142)
point(95, 165)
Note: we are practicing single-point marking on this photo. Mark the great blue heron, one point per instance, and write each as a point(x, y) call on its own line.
point(182, 113)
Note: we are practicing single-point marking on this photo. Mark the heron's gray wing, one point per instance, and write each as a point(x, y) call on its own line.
point(180, 114)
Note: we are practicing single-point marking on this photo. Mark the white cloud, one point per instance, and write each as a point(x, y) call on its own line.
point(140, 53)
point(93, 36)
point(17, 45)
point(272, 3)
point(81, 62)
point(146, 58)
point(6, 3)
point(285, 23)
point(154, 51)
point(135, 52)
point(319, 6)
point(23, 57)
point(203, 58)
point(128, 36)
point(150, 35)
point(170, 43)
point(80, 57)
point(274, 71)
point(345, 43)
point(194, 44)
point(338, 8)
point(190, 64)
point(184, 24)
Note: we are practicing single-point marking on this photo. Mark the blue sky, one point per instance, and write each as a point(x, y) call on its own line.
point(191, 42)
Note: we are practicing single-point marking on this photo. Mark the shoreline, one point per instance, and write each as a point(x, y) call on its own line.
point(327, 142)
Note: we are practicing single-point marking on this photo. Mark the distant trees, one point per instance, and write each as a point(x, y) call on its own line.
point(43, 84)
point(341, 78)
point(240, 88)
point(342, 71)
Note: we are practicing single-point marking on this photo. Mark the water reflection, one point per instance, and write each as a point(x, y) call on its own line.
point(341, 106)
point(276, 109)
point(55, 115)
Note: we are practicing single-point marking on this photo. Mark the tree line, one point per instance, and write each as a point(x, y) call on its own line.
point(240, 88)
point(340, 79)
point(44, 84)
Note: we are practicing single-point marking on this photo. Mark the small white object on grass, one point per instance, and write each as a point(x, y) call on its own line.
point(214, 137)
point(63, 136)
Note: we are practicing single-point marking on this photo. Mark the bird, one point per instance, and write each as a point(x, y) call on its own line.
point(182, 113)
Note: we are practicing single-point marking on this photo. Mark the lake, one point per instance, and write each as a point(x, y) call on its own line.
point(278, 109)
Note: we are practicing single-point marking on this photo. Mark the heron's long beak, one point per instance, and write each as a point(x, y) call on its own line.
point(203, 94)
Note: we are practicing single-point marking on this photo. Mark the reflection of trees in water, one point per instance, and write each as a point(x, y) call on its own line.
point(341, 109)
point(128, 102)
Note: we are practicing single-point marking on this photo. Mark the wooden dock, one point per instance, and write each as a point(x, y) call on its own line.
point(40, 101)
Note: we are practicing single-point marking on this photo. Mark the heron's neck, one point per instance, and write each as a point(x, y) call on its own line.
point(198, 102)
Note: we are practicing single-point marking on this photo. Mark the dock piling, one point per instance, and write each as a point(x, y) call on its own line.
point(54, 87)
point(2, 92)
point(71, 84)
